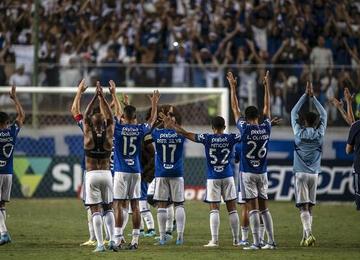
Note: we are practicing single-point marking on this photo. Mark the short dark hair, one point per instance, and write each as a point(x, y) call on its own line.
point(4, 118)
point(96, 110)
point(251, 113)
point(130, 112)
point(311, 118)
point(218, 123)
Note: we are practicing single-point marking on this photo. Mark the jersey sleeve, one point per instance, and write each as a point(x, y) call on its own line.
point(146, 127)
point(15, 128)
point(236, 138)
point(200, 138)
point(354, 130)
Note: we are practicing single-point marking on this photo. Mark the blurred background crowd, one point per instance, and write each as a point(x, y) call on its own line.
point(187, 43)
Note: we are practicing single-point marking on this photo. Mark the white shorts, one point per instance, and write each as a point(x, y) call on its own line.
point(169, 188)
point(240, 199)
point(127, 186)
point(253, 185)
point(5, 187)
point(151, 188)
point(217, 188)
point(98, 187)
point(305, 188)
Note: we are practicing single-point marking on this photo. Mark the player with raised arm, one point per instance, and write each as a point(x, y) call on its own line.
point(253, 165)
point(77, 115)
point(98, 140)
point(169, 180)
point(220, 177)
point(307, 158)
point(129, 136)
point(8, 135)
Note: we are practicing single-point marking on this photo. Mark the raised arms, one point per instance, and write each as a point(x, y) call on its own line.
point(234, 101)
point(349, 108)
point(20, 118)
point(115, 100)
point(168, 123)
point(266, 83)
point(340, 107)
point(75, 108)
point(104, 105)
point(154, 98)
point(296, 109)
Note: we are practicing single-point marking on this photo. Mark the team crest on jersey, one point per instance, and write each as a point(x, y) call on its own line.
point(168, 166)
point(7, 150)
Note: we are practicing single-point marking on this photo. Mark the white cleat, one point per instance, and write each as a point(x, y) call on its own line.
point(212, 244)
point(252, 247)
point(269, 246)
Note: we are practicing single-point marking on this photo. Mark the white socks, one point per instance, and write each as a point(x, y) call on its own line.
point(135, 236)
point(234, 224)
point(268, 223)
point(125, 215)
point(3, 229)
point(90, 225)
point(261, 231)
point(306, 222)
point(254, 219)
point(161, 218)
point(244, 233)
point(109, 220)
point(149, 220)
point(98, 224)
point(170, 219)
point(214, 225)
point(141, 223)
point(180, 221)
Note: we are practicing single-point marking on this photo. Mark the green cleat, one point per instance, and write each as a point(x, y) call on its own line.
point(5, 239)
point(310, 241)
point(99, 249)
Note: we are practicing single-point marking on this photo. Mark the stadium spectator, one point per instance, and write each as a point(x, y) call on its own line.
point(321, 58)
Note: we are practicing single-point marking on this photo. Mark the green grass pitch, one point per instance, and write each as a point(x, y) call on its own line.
point(53, 229)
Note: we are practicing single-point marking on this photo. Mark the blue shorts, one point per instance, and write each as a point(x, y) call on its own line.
point(144, 188)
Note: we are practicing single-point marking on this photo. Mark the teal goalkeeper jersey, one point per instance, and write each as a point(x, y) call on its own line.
point(308, 140)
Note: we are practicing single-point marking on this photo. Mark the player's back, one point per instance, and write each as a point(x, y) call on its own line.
point(127, 146)
point(7, 143)
point(218, 150)
point(254, 147)
point(169, 154)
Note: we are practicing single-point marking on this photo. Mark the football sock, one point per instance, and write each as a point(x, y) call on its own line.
point(135, 236)
point(109, 220)
point(262, 232)
point(90, 225)
point(161, 218)
point(149, 220)
point(306, 222)
point(170, 219)
point(214, 225)
point(268, 223)
point(141, 223)
point(98, 224)
point(244, 233)
point(3, 229)
point(254, 219)
point(234, 224)
point(125, 215)
point(180, 221)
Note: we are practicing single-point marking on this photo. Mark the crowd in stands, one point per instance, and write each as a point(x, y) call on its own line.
point(186, 43)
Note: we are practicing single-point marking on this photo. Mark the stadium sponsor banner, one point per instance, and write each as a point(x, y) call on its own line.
point(335, 182)
point(61, 176)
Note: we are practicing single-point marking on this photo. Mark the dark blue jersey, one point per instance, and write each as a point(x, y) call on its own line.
point(128, 139)
point(7, 144)
point(169, 157)
point(218, 150)
point(254, 146)
point(354, 140)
